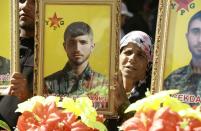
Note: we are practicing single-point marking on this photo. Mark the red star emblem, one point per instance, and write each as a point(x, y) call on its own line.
point(55, 20)
point(183, 4)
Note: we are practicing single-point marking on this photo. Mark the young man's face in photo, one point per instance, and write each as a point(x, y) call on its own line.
point(26, 14)
point(194, 38)
point(78, 49)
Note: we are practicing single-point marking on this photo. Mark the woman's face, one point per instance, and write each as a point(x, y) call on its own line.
point(133, 62)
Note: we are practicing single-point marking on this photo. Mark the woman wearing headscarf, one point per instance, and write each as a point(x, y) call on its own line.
point(136, 55)
point(135, 64)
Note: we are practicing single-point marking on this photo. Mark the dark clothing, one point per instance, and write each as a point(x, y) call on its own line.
point(139, 92)
point(8, 104)
point(27, 60)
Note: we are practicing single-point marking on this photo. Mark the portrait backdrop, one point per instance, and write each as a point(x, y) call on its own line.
point(178, 54)
point(52, 18)
point(5, 28)
point(58, 17)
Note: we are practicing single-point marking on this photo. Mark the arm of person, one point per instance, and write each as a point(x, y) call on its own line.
point(121, 101)
point(19, 87)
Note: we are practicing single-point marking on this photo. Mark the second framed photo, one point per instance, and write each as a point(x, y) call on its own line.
point(177, 58)
point(77, 49)
point(9, 60)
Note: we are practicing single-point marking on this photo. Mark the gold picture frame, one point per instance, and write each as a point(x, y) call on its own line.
point(9, 60)
point(103, 17)
point(172, 26)
point(159, 47)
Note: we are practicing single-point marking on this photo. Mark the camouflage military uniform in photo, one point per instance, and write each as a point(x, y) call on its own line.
point(185, 80)
point(65, 82)
point(4, 70)
point(4, 65)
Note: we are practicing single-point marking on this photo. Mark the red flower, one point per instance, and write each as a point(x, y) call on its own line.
point(51, 114)
point(165, 120)
point(133, 124)
point(162, 120)
point(173, 116)
point(49, 118)
point(43, 117)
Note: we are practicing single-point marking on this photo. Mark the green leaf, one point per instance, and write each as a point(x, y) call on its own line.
point(4, 125)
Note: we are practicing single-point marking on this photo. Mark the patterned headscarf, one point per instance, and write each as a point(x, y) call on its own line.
point(142, 40)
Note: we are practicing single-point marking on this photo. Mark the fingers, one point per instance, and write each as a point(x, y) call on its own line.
point(17, 75)
point(18, 79)
point(18, 86)
point(119, 90)
point(18, 82)
point(15, 92)
point(118, 82)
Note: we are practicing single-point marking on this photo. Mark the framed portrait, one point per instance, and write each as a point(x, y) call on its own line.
point(8, 43)
point(173, 66)
point(57, 72)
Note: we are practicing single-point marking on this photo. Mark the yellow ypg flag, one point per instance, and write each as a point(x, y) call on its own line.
point(178, 54)
point(58, 17)
point(5, 28)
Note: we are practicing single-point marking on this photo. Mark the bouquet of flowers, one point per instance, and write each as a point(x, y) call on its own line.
point(161, 112)
point(52, 114)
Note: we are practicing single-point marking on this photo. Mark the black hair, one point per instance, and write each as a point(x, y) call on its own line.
point(76, 29)
point(194, 17)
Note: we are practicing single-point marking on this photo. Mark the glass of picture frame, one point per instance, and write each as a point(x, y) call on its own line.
point(52, 18)
point(9, 60)
point(172, 67)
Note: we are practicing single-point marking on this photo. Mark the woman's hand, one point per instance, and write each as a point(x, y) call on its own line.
point(120, 93)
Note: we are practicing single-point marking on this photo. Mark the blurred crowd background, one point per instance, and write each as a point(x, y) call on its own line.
point(139, 15)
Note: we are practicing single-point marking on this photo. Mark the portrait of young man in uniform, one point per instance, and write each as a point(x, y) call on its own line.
point(77, 77)
point(188, 78)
